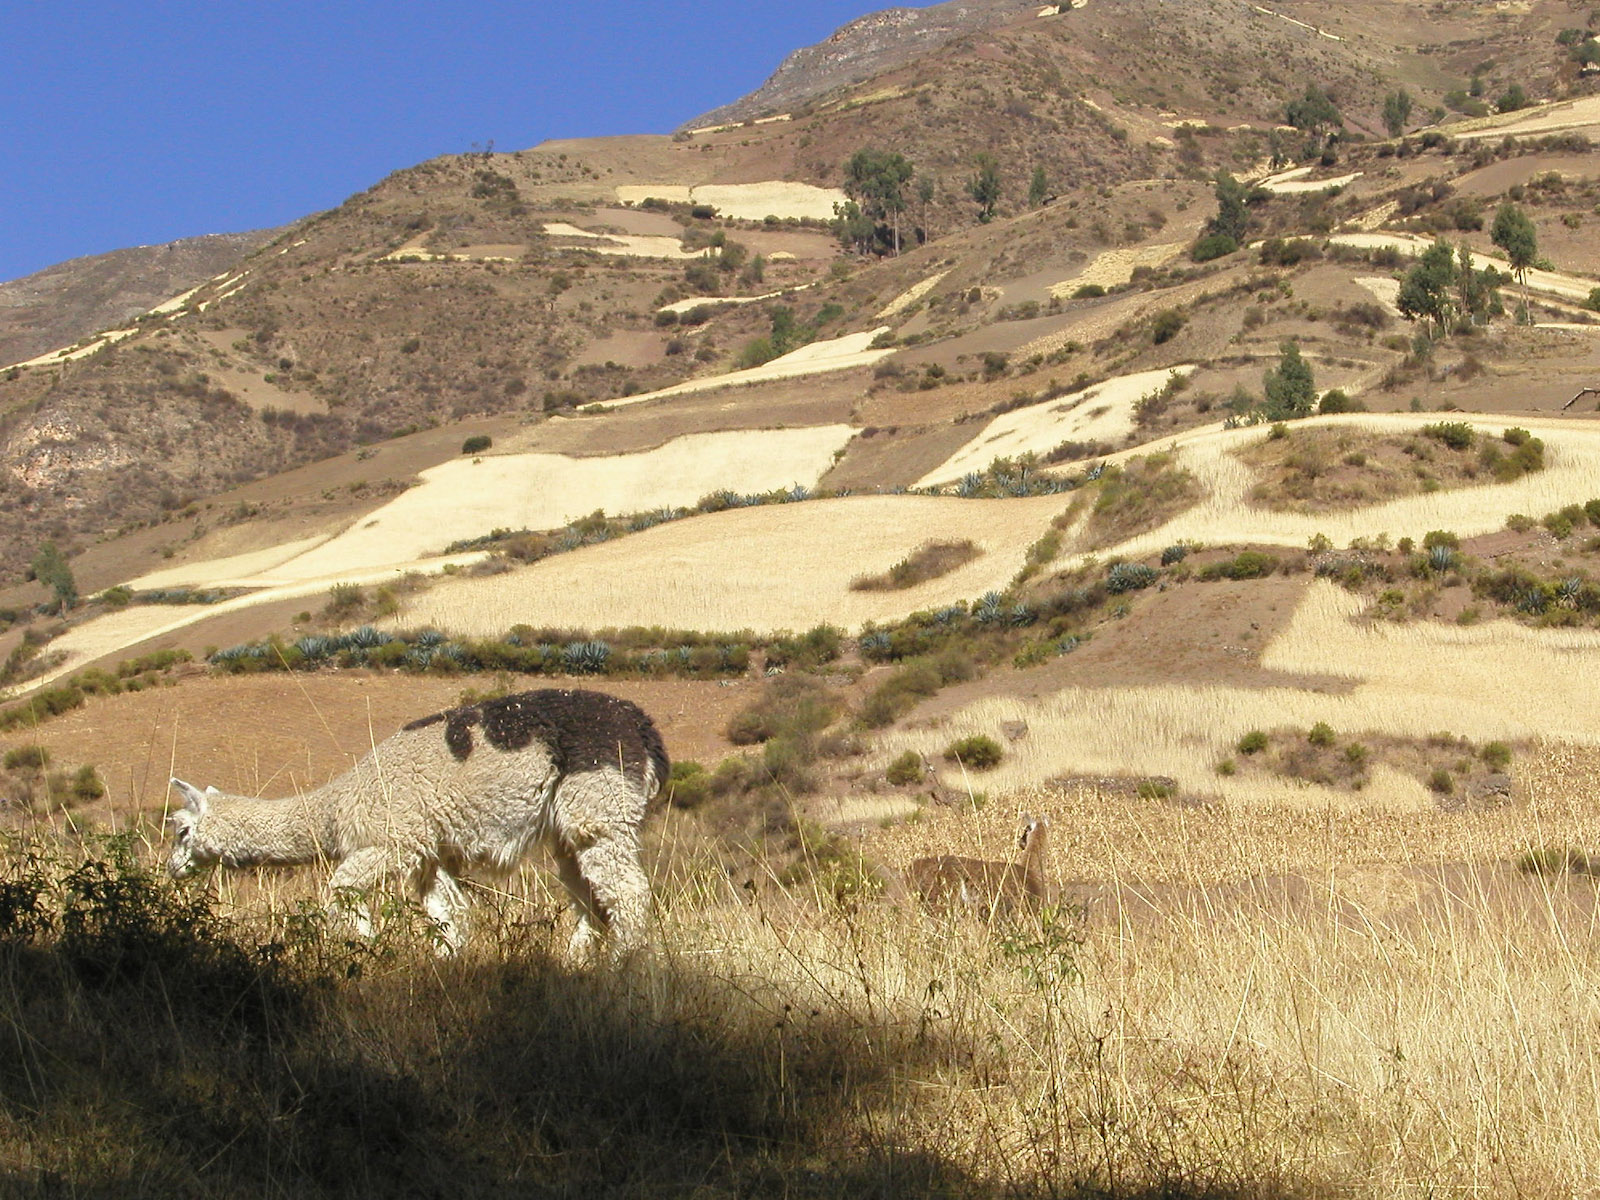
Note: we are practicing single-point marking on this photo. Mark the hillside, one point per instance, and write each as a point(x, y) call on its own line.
point(56, 307)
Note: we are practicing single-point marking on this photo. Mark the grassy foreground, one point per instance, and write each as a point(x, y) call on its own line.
point(1214, 1042)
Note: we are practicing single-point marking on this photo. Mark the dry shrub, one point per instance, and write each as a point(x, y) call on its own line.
point(928, 561)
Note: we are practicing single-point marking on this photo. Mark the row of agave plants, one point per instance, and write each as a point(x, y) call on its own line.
point(430, 650)
point(994, 616)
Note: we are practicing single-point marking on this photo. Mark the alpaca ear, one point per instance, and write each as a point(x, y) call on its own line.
point(193, 798)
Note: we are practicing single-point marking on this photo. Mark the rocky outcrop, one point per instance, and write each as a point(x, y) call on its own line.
point(865, 47)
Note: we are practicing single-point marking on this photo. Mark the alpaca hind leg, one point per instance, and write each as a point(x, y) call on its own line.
point(351, 884)
point(611, 867)
point(591, 921)
point(446, 905)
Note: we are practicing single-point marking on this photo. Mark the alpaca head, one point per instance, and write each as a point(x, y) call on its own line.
point(191, 848)
point(1034, 832)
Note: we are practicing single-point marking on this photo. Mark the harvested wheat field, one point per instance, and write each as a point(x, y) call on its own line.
point(1397, 690)
point(786, 566)
point(1573, 467)
point(1102, 413)
point(817, 358)
point(744, 201)
point(1112, 268)
point(470, 497)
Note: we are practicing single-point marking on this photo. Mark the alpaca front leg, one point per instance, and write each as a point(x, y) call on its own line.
point(351, 883)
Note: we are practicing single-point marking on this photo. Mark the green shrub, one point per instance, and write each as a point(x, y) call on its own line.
point(1336, 400)
point(1458, 435)
point(1253, 742)
point(1227, 767)
point(477, 444)
point(1093, 291)
point(27, 758)
point(897, 695)
point(1248, 564)
point(1496, 754)
point(1166, 325)
point(905, 770)
point(1440, 537)
point(1320, 734)
point(979, 752)
point(86, 785)
point(1441, 781)
point(1213, 246)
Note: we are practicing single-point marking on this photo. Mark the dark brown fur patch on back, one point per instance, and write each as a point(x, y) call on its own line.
point(581, 730)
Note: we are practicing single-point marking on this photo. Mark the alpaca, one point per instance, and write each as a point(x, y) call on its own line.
point(990, 890)
point(573, 770)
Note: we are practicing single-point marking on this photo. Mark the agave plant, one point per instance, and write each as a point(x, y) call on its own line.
point(315, 647)
point(1441, 558)
point(988, 609)
point(1567, 591)
point(368, 637)
point(1129, 577)
point(585, 658)
point(1021, 614)
point(971, 485)
point(1174, 554)
point(875, 644)
point(1533, 601)
point(797, 493)
point(1068, 644)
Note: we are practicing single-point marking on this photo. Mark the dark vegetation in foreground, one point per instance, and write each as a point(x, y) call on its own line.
point(155, 1048)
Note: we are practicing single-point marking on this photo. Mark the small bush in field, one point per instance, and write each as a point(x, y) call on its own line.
point(27, 758)
point(1320, 734)
point(1441, 781)
point(1496, 754)
point(1457, 435)
point(978, 752)
point(689, 784)
point(906, 769)
point(477, 444)
point(1253, 742)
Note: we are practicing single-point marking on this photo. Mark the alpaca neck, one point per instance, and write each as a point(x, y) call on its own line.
point(1032, 864)
point(295, 829)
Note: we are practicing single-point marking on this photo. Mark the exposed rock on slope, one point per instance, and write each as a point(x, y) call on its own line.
point(866, 47)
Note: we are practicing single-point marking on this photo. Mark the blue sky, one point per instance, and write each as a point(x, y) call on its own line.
point(124, 124)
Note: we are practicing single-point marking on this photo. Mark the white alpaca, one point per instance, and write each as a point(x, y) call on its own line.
point(571, 770)
point(991, 890)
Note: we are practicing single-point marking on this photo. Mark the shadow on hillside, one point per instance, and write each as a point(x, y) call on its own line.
point(150, 1052)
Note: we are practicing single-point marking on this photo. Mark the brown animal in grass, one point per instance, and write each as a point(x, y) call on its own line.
point(991, 891)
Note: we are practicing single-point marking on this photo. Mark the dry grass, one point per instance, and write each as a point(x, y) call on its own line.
point(467, 498)
point(1225, 516)
point(1257, 1004)
point(1111, 268)
point(817, 358)
point(911, 295)
point(1102, 413)
point(1312, 470)
point(745, 201)
point(1496, 681)
point(776, 567)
